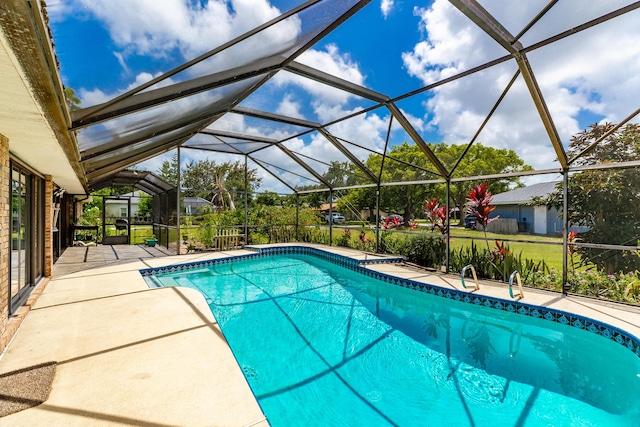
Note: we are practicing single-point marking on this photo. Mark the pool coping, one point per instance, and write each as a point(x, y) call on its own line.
point(371, 267)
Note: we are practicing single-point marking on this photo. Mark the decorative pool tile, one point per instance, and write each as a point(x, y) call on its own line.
point(577, 321)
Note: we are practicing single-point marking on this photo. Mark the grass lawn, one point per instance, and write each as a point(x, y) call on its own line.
point(550, 253)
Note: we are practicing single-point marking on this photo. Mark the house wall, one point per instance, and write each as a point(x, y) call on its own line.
point(551, 222)
point(39, 262)
point(113, 207)
point(522, 214)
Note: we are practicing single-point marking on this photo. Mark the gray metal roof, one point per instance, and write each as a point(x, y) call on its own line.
point(524, 194)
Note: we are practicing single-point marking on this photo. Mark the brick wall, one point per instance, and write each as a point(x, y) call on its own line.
point(5, 222)
point(48, 229)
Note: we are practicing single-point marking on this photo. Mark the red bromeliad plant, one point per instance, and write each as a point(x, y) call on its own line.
point(391, 222)
point(572, 237)
point(436, 214)
point(501, 251)
point(479, 206)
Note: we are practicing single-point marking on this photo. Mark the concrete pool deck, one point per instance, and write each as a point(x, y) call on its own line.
point(127, 354)
point(130, 355)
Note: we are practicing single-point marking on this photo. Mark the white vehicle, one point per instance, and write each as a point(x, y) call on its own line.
point(335, 216)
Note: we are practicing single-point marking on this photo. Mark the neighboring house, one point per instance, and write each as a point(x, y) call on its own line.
point(117, 206)
point(196, 205)
point(532, 219)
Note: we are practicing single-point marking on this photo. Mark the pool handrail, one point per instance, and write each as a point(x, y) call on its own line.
point(473, 273)
point(516, 275)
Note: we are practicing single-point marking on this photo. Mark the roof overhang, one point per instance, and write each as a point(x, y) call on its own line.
point(33, 113)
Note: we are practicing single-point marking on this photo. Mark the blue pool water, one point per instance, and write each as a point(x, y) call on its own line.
point(324, 345)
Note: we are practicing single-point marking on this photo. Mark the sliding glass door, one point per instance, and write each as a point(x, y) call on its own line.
point(27, 234)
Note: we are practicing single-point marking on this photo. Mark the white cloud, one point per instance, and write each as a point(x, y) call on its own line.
point(290, 107)
point(569, 78)
point(144, 28)
point(91, 97)
point(122, 62)
point(185, 29)
point(386, 6)
point(331, 61)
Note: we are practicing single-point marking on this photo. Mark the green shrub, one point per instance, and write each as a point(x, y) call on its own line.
point(497, 264)
point(418, 248)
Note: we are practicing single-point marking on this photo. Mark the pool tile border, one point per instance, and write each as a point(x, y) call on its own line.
point(577, 321)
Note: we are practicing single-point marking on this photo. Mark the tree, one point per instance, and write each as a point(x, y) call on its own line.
point(408, 199)
point(269, 198)
point(341, 174)
point(145, 207)
point(169, 170)
point(218, 182)
point(70, 97)
point(606, 200)
point(479, 160)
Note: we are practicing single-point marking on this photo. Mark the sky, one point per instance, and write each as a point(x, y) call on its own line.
point(106, 47)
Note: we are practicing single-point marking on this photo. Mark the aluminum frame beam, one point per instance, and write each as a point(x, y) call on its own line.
point(103, 112)
point(304, 165)
point(338, 83)
point(105, 149)
point(275, 117)
point(286, 170)
point(348, 154)
point(397, 114)
point(211, 53)
point(259, 163)
point(543, 111)
point(131, 158)
point(483, 19)
point(241, 136)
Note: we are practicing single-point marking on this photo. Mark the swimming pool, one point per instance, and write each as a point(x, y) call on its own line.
point(320, 343)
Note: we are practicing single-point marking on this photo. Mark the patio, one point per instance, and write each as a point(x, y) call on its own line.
point(130, 355)
point(127, 355)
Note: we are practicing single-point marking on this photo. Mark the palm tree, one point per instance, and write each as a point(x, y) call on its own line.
point(219, 192)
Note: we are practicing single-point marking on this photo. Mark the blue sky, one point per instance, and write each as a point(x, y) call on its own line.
point(106, 47)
